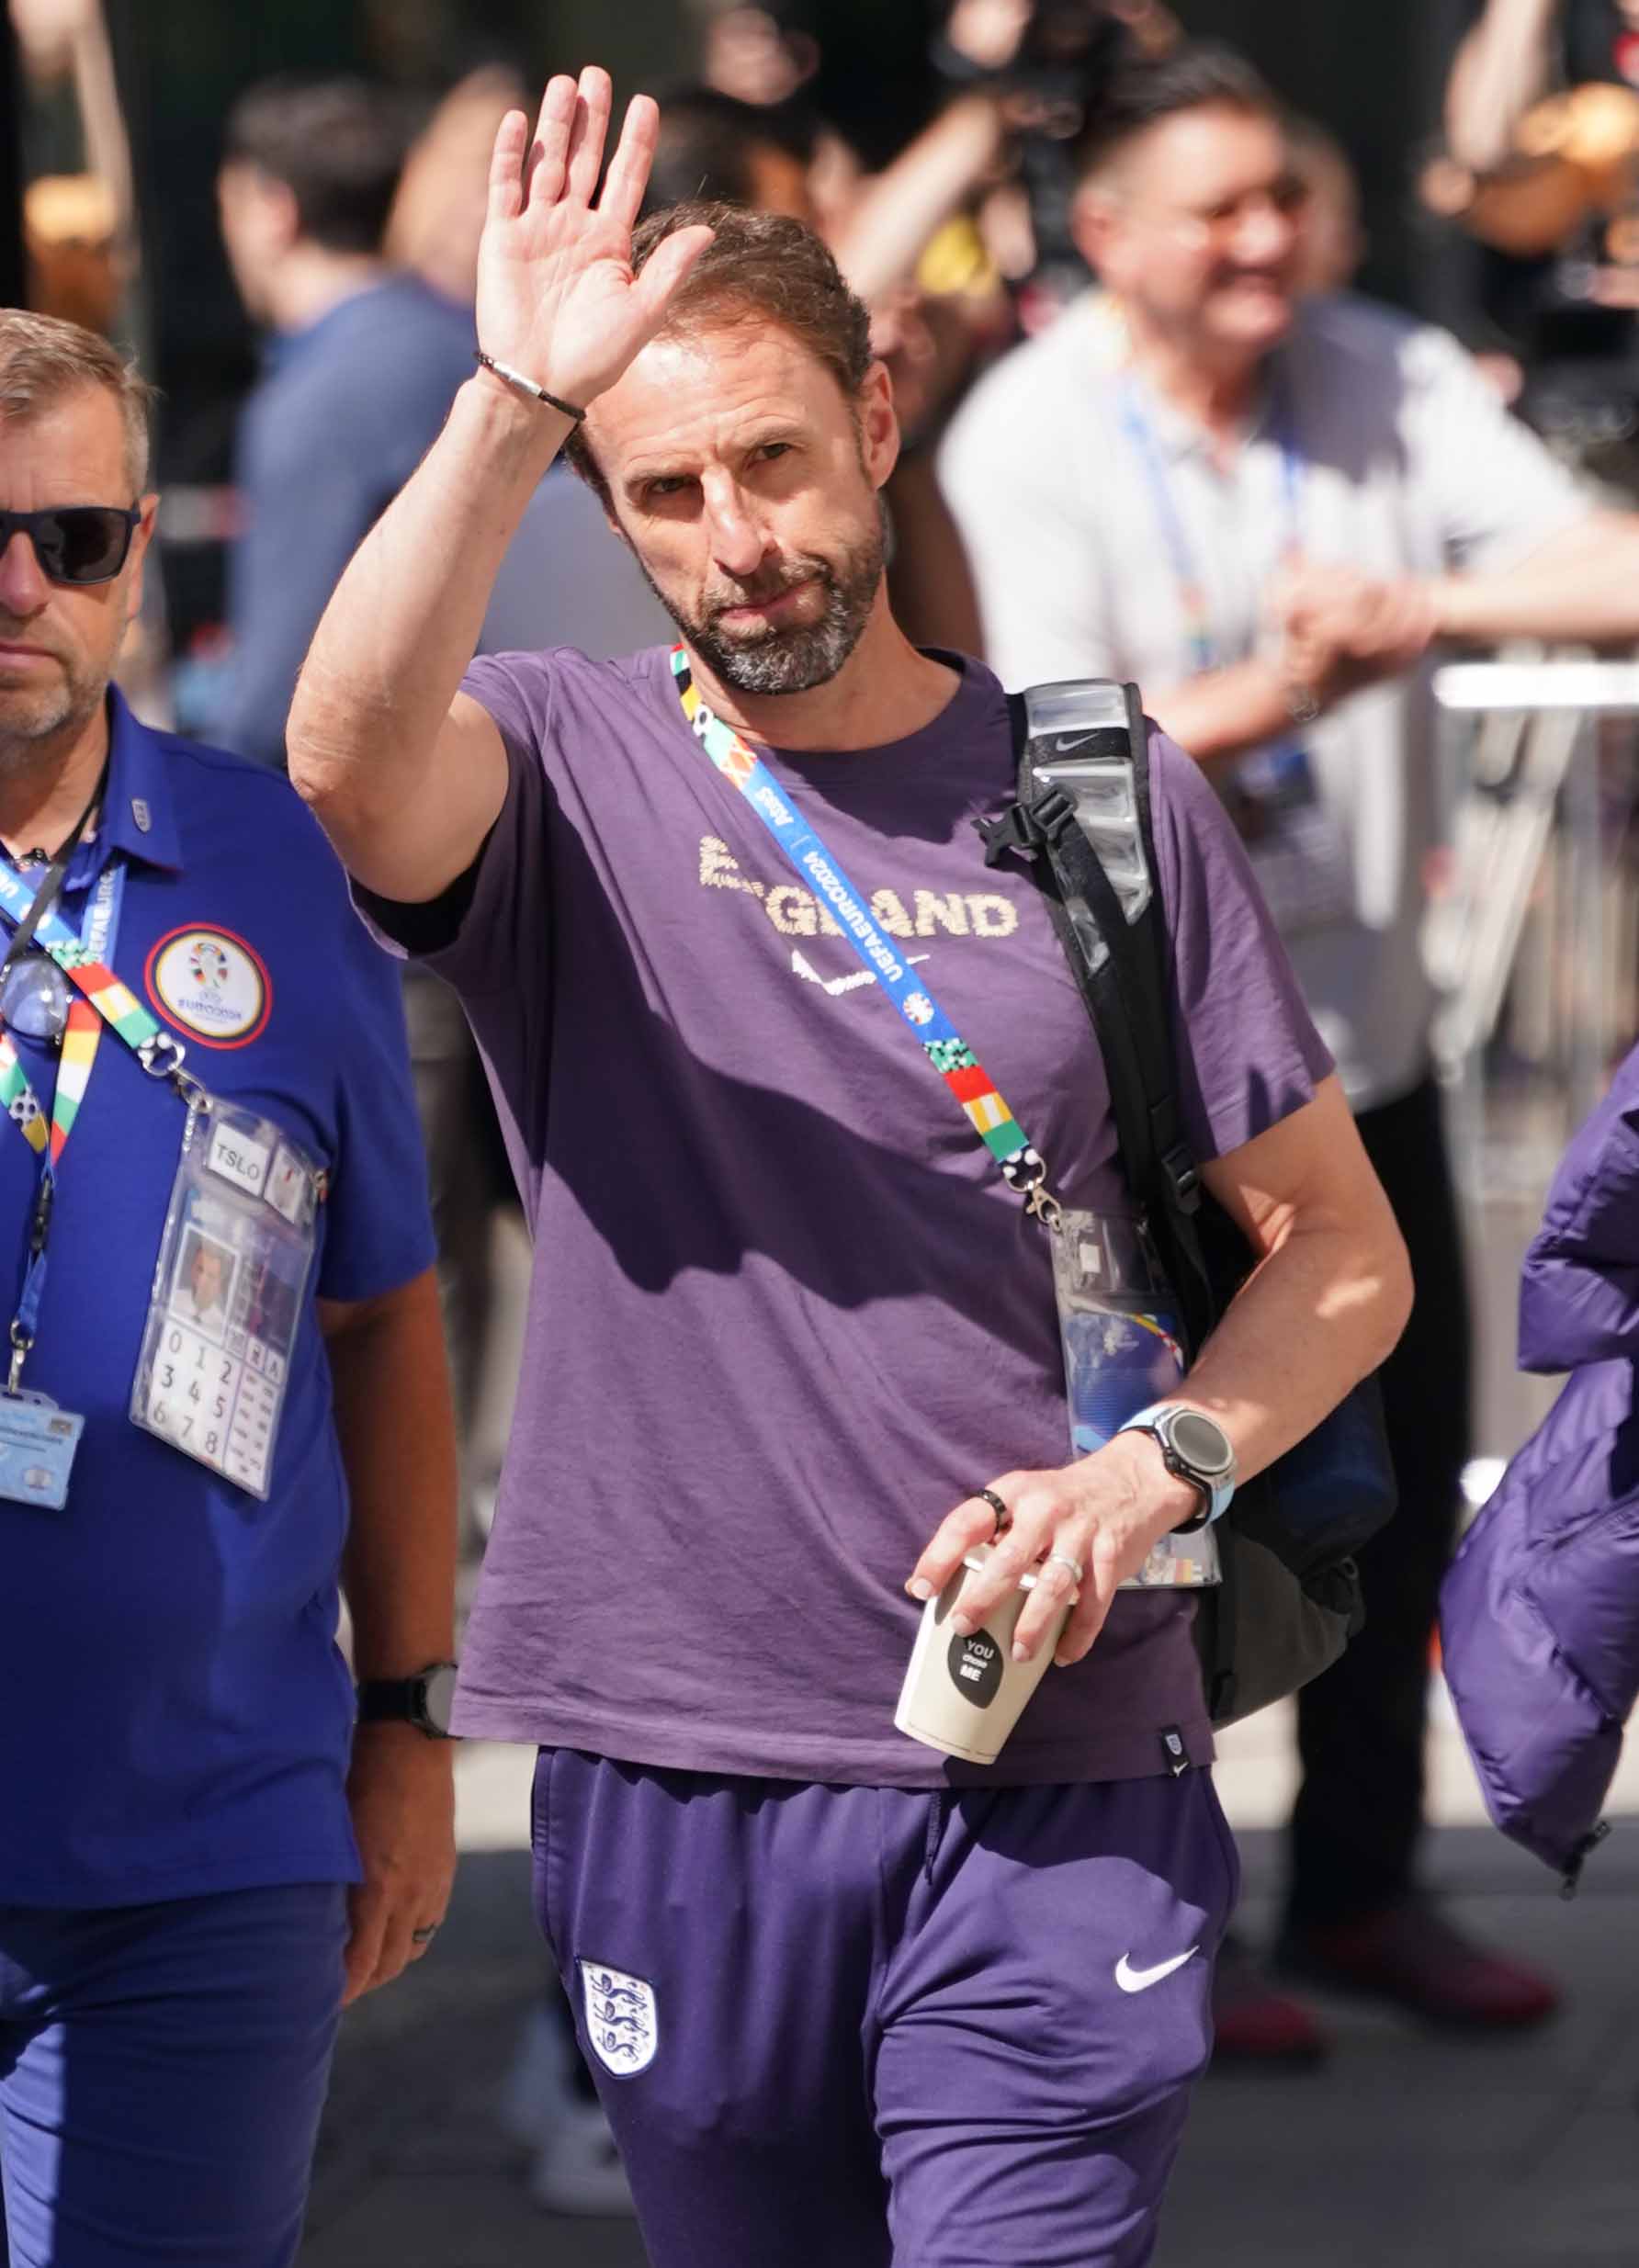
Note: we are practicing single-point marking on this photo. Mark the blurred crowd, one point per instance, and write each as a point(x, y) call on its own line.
point(1015, 256)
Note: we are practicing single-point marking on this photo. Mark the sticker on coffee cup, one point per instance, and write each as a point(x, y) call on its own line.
point(964, 1696)
point(976, 1668)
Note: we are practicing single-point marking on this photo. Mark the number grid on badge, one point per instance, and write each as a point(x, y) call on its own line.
point(219, 1407)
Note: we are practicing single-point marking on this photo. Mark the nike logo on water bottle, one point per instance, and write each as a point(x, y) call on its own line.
point(1133, 1980)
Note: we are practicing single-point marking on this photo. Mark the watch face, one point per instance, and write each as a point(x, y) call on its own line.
point(1201, 1442)
point(438, 1693)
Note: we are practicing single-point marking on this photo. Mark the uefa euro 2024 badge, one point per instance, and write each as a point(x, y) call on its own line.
point(213, 982)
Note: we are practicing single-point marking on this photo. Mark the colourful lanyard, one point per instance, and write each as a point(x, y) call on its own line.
point(1022, 1167)
point(1191, 588)
point(81, 1037)
point(82, 1034)
point(159, 1054)
point(104, 1000)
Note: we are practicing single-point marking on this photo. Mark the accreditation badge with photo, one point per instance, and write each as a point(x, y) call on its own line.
point(234, 1261)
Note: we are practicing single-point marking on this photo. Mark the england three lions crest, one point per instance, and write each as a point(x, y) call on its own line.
point(622, 2022)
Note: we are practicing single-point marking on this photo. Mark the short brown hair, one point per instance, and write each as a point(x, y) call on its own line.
point(43, 360)
point(1202, 74)
point(758, 267)
point(338, 145)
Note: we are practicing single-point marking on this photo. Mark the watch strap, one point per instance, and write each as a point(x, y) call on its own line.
point(401, 1700)
point(390, 1700)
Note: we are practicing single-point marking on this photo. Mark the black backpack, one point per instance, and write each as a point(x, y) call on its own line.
point(1290, 1599)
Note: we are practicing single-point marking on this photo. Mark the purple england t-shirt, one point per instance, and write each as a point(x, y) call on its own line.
point(785, 1312)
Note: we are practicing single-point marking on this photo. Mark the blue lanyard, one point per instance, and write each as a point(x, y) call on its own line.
point(1022, 1166)
point(100, 927)
point(1204, 653)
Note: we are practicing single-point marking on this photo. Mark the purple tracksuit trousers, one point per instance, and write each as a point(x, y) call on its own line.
point(843, 2028)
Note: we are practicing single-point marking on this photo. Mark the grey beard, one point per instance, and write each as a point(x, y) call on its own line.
point(789, 661)
point(28, 736)
point(795, 660)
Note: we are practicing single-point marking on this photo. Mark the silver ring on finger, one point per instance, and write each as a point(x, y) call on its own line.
point(1063, 1559)
point(425, 1934)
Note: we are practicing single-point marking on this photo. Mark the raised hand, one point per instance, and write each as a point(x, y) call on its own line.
point(556, 299)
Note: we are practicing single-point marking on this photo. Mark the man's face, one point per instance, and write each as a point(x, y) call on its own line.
point(747, 485)
point(58, 642)
point(205, 1276)
point(1197, 226)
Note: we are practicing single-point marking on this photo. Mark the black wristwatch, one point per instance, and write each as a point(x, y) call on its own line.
point(1194, 1448)
point(422, 1700)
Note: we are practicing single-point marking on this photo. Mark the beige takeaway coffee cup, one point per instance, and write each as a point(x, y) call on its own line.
point(964, 1696)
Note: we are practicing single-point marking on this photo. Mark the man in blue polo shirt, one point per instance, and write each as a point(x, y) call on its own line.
point(227, 1388)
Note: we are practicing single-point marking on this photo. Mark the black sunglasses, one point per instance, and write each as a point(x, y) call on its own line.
point(76, 543)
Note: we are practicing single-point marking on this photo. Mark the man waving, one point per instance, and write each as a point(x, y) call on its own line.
point(846, 2000)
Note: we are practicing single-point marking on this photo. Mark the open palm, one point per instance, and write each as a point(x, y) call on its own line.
point(556, 298)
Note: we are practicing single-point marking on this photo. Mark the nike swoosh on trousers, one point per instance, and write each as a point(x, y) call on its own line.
point(1133, 1980)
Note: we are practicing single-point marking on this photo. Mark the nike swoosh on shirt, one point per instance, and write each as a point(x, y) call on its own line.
point(1133, 1980)
point(837, 986)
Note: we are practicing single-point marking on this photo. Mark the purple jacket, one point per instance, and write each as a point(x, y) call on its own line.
point(1540, 1609)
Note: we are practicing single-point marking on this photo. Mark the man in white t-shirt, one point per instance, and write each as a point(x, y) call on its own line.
point(1268, 514)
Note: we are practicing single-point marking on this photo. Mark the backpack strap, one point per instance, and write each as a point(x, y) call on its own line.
point(1123, 969)
point(1110, 919)
point(1122, 964)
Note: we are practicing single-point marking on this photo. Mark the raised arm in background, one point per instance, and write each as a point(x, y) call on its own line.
point(884, 236)
point(406, 775)
point(71, 35)
point(1503, 66)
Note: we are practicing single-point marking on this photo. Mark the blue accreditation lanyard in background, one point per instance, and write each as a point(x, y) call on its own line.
point(1205, 652)
point(1295, 842)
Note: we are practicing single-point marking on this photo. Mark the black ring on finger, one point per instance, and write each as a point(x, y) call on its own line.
point(1004, 1519)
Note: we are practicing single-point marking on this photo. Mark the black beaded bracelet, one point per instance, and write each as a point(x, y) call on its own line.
point(504, 371)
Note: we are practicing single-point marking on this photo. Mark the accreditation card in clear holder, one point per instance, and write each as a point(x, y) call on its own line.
point(233, 1265)
point(1123, 1350)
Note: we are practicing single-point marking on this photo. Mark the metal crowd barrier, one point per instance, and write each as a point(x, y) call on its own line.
point(1532, 936)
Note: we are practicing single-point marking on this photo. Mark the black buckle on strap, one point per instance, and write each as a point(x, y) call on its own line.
point(1026, 827)
point(1183, 1178)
